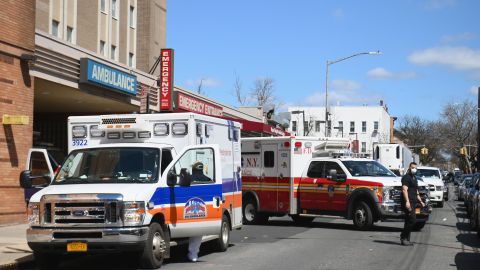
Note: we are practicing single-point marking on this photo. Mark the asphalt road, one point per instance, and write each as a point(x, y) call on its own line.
point(330, 243)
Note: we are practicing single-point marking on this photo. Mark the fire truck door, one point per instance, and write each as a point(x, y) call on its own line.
point(336, 190)
point(313, 189)
point(269, 177)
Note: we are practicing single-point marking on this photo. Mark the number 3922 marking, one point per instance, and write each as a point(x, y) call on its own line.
point(79, 142)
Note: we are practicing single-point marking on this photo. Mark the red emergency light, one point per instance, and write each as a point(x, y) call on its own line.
point(286, 144)
point(298, 144)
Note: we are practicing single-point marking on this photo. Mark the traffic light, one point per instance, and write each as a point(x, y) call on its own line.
point(463, 151)
point(424, 151)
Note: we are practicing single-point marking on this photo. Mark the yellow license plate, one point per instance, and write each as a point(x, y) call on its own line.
point(417, 211)
point(77, 247)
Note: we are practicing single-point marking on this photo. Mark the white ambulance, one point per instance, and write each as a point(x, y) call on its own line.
point(305, 177)
point(138, 183)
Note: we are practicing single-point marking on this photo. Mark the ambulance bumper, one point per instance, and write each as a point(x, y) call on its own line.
point(394, 211)
point(97, 240)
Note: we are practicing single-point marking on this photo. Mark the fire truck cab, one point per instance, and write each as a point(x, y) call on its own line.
point(307, 177)
point(138, 183)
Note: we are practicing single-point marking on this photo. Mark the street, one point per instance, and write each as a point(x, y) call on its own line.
point(328, 243)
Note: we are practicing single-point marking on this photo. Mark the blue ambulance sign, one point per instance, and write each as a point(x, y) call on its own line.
point(99, 74)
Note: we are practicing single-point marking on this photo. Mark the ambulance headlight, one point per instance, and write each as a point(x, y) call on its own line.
point(179, 128)
point(161, 129)
point(95, 132)
point(133, 213)
point(79, 131)
point(33, 214)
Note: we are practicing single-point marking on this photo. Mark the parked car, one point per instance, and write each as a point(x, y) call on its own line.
point(464, 183)
point(475, 206)
point(458, 177)
point(470, 193)
point(433, 179)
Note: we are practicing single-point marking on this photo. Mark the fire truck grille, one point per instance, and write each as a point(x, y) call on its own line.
point(112, 121)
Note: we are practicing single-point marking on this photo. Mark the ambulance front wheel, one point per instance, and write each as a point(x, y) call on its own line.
point(251, 214)
point(155, 248)
point(223, 240)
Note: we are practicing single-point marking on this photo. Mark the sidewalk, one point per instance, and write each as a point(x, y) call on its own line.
point(13, 246)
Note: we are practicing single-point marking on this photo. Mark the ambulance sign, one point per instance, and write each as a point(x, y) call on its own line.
point(166, 79)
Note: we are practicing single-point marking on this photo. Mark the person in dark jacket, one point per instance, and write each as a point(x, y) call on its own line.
point(409, 200)
point(197, 173)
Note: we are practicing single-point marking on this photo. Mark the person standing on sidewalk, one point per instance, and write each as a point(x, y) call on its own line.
point(409, 200)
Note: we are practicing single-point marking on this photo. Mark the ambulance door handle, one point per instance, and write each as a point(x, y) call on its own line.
point(216, 201)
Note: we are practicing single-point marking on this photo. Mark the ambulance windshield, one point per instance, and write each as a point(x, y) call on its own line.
point(367, 168)
point(110, 165)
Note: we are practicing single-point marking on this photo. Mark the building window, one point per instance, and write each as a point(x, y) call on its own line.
point(317, 126)
point(130, 60)
point(102, 48)
point(306, 128)
point(113, 52)
point(364, 126)
point(352, 126)
point(340, 126)
point(375, 126)
point(364, 147)
point(103, 7)
point(132, 17)
point(294, 125)
point(55, 25)
point(114, 9)
point(69, 34)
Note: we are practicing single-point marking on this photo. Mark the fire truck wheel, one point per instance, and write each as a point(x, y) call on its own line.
point(46, 260)
point(251, 215)
point(155, 248)
point(302, 219)
point(223, 240)
point(419, 226)
point(362, 216)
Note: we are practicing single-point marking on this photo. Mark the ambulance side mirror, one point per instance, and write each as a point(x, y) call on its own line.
point(25, 180)
point(332, 175)
point(185, 178)
point(171, 178)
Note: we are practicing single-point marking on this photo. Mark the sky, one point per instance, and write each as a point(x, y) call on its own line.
point(431, 50)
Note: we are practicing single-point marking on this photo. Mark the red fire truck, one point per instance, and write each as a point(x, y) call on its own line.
point(305, 177)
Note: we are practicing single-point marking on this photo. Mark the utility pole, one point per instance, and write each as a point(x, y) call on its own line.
point(478, 130)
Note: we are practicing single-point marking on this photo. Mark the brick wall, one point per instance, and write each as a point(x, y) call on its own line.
point(17, 25)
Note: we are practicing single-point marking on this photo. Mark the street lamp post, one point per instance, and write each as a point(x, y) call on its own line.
point(326, 82)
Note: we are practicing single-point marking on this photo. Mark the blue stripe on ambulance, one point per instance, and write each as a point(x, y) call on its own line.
point(174, 195)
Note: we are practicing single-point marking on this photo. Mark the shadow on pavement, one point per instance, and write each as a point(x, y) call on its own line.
point(330, 225)
point(467, 261)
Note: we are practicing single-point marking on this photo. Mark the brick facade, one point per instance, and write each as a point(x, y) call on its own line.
point(17, 28)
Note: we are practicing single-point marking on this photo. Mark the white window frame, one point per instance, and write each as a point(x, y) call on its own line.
point(132, 18)
point(114, 7)
point(364, 147)
point(57, 28)
point(352, 131)
point(104, 10)
point(364, 126)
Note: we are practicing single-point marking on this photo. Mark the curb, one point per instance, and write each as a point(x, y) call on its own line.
point(18, 262)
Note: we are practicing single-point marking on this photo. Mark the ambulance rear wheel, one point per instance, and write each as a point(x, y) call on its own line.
point(155, 248)
point(251, 214)
point(223, 240)
point(362, 216)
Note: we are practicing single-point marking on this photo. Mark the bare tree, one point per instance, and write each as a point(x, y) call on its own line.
point(457, 128)
point(237, 87)
point(262, 92)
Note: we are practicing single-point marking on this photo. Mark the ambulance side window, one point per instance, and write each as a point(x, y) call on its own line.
point(166, 159)
point(197, 166)
point(269, 159)
point(316, 169)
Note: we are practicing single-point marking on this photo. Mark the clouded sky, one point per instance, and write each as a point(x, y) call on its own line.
point(431, 50)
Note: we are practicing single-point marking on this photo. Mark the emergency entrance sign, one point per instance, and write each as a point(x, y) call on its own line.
point(166, 79)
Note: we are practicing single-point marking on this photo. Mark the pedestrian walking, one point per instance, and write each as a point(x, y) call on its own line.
point(409, 200)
